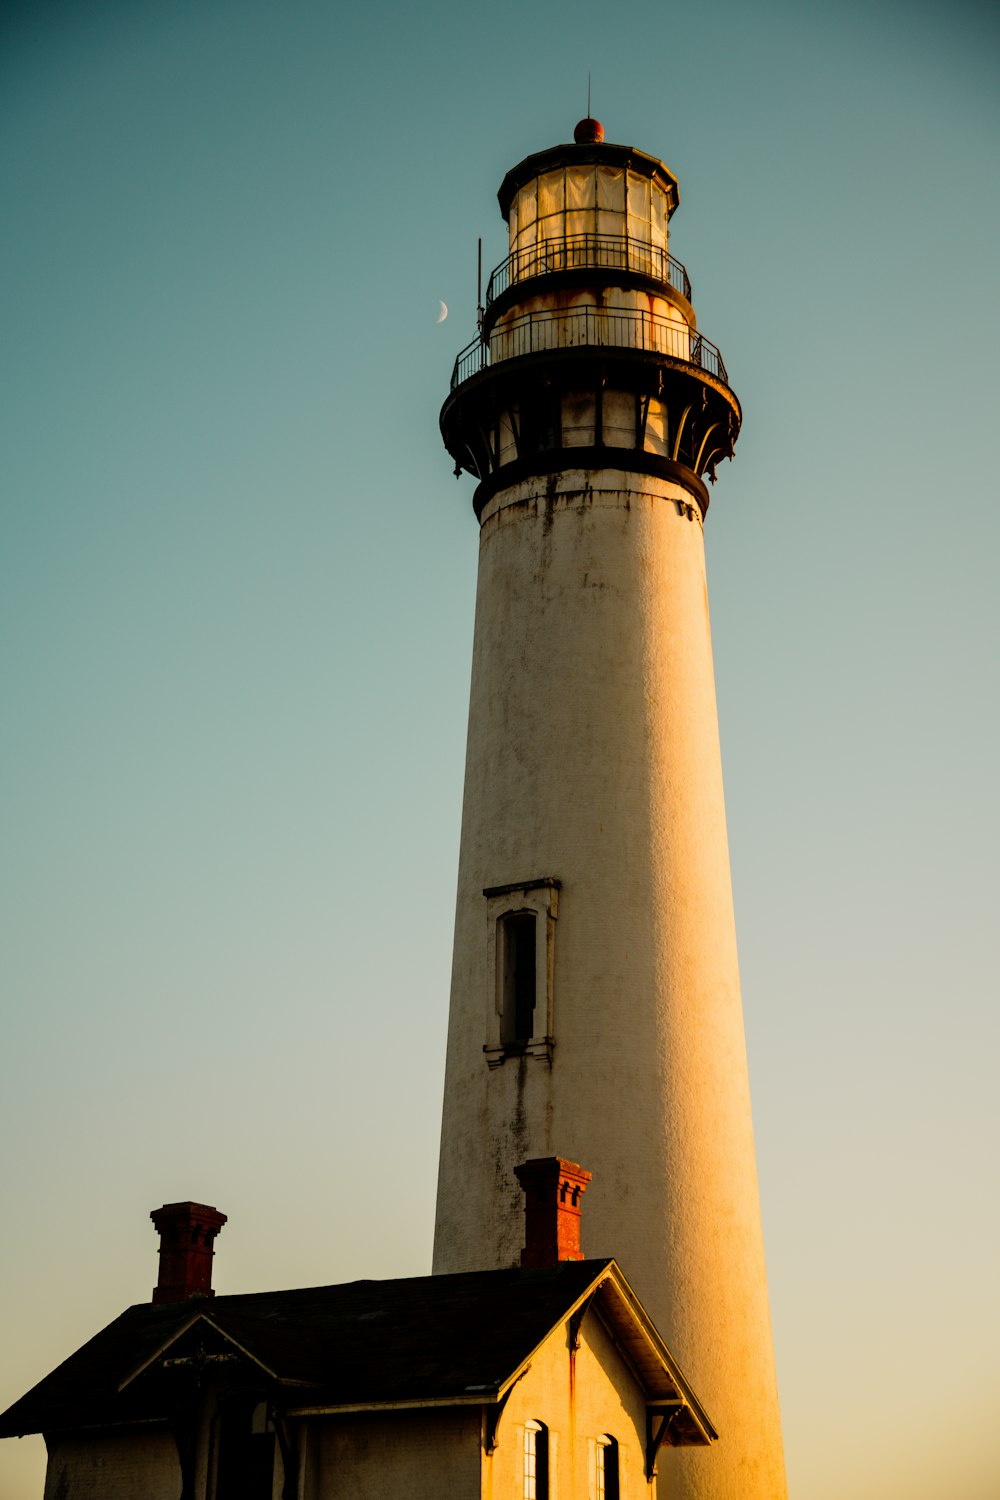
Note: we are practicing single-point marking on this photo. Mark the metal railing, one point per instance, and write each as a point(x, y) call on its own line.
point(589, 327)
point(579, 251)
point(473, 358)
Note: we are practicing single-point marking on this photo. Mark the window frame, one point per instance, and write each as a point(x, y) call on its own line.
point(535, 1469)
point(608, 1474)
point(540, 899)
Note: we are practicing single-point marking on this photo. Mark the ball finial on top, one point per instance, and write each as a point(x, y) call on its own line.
point(589, 132)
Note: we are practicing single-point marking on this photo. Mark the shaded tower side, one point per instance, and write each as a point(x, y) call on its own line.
point(595, 1006)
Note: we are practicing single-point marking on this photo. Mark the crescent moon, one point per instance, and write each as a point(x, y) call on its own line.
point(442, 314)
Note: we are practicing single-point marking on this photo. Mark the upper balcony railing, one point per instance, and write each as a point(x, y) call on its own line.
point(594, 327)
point(579, 251)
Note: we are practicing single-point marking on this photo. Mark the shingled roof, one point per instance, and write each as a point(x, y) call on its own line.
point(456, 1339)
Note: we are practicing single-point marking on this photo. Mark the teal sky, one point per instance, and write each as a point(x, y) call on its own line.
point(236, 592)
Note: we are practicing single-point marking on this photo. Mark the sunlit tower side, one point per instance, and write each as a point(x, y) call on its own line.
point(595, 1004)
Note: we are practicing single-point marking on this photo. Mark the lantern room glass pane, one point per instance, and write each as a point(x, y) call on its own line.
point(512, 221)
point(659, 218)
point(551, 197)
point(527, 206)
point(638, 206)
point(581, 187)
point(611, 189)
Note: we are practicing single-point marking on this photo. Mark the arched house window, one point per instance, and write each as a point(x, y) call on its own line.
point(520, 969)
point(607, 1467)
point(536, 1461)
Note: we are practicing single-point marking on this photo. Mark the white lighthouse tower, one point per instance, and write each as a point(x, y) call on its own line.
point(595, 1004)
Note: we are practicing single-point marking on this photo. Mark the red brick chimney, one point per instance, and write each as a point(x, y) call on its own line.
point(552, 1192)
point(187, 1232)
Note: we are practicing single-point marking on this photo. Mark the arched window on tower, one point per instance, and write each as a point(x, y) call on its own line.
point(520, 964)
point(519, 981)
point(607, 1467)
point(536, 1461)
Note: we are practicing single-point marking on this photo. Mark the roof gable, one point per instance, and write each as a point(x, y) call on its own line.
point(196, 1344)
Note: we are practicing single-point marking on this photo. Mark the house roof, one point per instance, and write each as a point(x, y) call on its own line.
point(424, 1340)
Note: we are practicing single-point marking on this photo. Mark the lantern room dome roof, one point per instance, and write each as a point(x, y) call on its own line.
point(588, 132)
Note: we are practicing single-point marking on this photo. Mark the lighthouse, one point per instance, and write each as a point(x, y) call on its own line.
point(595, 1006)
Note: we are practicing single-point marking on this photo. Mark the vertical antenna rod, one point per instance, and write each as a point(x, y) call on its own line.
point(479, 286)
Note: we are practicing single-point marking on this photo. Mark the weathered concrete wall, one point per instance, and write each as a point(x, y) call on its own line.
point(139, 1466)
point(593, 756)
point(422, 1455)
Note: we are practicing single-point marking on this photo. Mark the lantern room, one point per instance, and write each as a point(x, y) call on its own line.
point(589, 204)
point(588, 352)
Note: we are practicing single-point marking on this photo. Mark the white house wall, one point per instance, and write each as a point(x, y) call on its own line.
point(124, 1466)
point(423, 1455)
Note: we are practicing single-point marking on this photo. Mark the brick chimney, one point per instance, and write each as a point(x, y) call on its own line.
point(187, 1232)
point(552, 1192)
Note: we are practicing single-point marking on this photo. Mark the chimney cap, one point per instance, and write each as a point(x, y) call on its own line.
point(550, 1169)
point(199, 1213)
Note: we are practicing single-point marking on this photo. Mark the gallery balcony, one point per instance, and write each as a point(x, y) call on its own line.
point(589, 328)
point(587, 252)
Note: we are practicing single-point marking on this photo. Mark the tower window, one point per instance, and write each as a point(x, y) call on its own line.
point(541, 426)
point(656, 438)
point(607, 1468)
point(618, 419)
point(518, 957)
point(536, 1461)
point(578, 419)
point(520, 964)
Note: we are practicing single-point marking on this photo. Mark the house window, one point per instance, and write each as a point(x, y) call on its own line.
point(607, 1468)
point(520, 965)
point(536, 1461)
point(517, 945)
